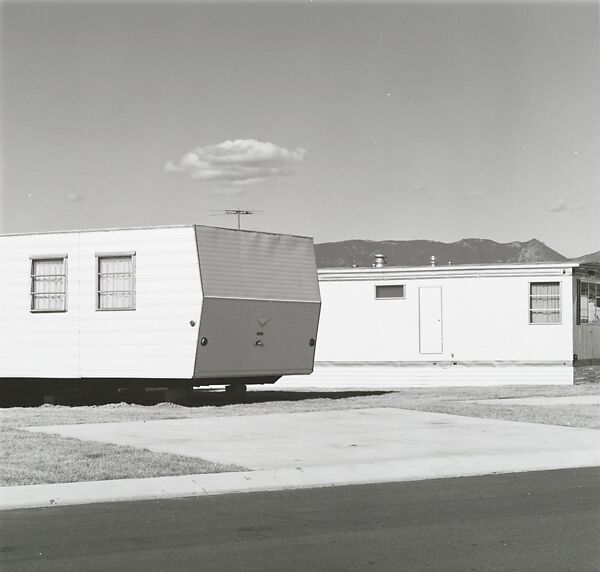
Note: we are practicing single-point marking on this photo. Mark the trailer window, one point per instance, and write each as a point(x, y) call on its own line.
point(49, 284)
point(388, 291)
point(544, 303)
point(116, 283)
point(588, 307)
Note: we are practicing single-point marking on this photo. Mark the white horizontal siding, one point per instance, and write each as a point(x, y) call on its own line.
point(154, 340)
point(35, 344)
point(483, 319)
point(390, 377)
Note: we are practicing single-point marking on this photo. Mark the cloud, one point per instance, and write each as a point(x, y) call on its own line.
point(73, 197)
point(241, 162)
point(558, 206)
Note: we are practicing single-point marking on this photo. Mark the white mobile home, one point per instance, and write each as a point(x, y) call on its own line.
point(458, 325)
point(186, 304)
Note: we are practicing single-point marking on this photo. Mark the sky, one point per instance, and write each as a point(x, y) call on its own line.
point(383, 121)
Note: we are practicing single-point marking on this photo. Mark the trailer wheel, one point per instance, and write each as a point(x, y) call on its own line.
point(180, 394)
point(236, 391)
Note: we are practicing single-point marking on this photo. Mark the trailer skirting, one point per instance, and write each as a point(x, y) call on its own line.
point(391, 375)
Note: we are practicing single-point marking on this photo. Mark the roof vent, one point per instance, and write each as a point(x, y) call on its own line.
point(380, 261)
point(432, 261)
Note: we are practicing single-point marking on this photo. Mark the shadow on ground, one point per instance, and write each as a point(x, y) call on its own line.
point(201, 397)
point(219, 398)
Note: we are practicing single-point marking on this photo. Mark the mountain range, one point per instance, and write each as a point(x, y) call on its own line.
point(349, 253)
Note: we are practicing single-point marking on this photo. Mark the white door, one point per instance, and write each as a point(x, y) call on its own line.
point(430, 320)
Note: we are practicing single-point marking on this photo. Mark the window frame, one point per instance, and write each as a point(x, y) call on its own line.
point(531, 311)
point(403, 297)
point(32, 294)
point(578, 307)
point(113, 255)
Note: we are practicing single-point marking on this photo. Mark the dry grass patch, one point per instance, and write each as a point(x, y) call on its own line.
point(36, 458)
point(569, 415)
point(465, 401)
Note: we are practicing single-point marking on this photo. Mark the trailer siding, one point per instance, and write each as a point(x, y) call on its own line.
point(40, 344)
point(396, 375)
point(235, 349)
point(255, 265)
point(483, 320)
point(261, 304)
point(586, 337)
point(155, 340)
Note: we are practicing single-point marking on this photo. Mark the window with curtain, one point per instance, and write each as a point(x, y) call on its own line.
point(116, 283)
point(49, 284)
point(588, 308)
point(544, 303)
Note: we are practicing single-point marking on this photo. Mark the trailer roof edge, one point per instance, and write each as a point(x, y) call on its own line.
point(151, 227)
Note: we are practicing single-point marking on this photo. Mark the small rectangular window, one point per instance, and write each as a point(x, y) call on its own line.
point(49, 284)
point(116, 282)
point(389, 291)
point(544, 303)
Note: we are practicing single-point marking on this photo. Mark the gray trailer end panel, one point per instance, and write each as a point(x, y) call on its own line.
point(261, 304)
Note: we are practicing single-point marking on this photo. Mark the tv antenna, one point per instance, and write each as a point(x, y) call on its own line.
point(239, 213)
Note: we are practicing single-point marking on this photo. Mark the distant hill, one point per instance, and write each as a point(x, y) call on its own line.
point(418, 252)
point(591, 257)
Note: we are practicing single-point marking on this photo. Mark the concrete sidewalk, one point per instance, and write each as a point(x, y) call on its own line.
point(316, 449)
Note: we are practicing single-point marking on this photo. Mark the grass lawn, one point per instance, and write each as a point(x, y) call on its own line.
point(35, 458)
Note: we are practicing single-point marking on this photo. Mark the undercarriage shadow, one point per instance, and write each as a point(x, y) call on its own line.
point(203, 397)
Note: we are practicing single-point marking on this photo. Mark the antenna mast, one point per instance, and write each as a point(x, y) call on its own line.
point(239, 213)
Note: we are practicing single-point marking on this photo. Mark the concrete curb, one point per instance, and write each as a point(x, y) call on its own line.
point(63, 494)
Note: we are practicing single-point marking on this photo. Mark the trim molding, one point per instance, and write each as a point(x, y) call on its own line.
point(586, 362)
point(459, 271)
point(444, 363)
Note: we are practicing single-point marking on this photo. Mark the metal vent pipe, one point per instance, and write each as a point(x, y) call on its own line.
point(380, 261)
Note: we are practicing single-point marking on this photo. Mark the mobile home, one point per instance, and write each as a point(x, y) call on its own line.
point(176, 306)
point(458, 325)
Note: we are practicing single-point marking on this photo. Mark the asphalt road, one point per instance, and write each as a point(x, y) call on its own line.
point(541, 521)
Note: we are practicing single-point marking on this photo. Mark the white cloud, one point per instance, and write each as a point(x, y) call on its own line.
point(558, 206)
point(241, 162)
point(73, 197)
